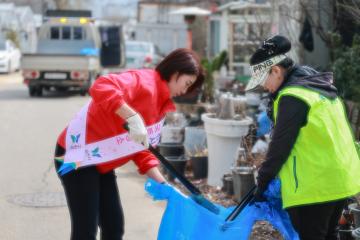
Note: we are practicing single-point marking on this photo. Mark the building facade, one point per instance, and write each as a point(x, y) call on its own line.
point(238, 27)
point(20, 23)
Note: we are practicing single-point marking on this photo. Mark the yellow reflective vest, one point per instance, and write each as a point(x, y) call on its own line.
point(323, 164)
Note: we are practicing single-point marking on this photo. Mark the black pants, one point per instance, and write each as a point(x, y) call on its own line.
point(317, 221)
point(93, 200)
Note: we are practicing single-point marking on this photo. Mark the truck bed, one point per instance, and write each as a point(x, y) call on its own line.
point(59, 62)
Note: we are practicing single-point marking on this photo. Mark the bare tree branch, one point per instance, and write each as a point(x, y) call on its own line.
point(352, 7)
point(335, 11)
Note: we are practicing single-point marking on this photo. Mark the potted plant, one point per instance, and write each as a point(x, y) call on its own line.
point(196, 150)
point(173, 130)
point(228, 185)
point(224, 131)
point(243, 171)
point(199, 163)
point(211, 67)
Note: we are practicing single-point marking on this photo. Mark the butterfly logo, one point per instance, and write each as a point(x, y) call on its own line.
point(75, 139)
point(95, 152)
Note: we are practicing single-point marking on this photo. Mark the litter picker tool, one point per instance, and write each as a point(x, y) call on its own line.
point(195, 192)
point(244, 202)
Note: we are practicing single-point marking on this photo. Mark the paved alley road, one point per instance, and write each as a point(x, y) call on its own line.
point(28, 130)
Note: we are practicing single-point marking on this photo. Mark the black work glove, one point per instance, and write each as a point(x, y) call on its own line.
point(258, 196)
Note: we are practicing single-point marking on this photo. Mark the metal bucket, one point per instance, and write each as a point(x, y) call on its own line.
point(228, 186)
point(355, 210)
point(243, 180)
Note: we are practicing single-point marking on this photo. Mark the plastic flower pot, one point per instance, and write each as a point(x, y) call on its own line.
point(199, 167)
point(172, 134)
point(228, 186)
point(195, 141)
point(178, 163)
point(171, 149)
point(223, 139)
point(243, 180)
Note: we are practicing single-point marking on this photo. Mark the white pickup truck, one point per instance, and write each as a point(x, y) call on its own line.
point(67, 56)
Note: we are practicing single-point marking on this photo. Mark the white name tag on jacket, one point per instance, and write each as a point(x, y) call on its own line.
point(102, 151)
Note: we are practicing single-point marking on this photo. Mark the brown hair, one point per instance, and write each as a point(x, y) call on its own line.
point(182, 61)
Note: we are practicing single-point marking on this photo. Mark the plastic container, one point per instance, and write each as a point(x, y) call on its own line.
point(171, 149)
point(199, 167)
point(223, 139)
point(172, 134)
point(194, 141)
point(178, 163)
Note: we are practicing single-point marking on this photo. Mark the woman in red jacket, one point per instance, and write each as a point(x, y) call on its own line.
point(96, 143)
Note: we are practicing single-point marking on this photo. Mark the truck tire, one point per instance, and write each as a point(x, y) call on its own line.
point(32, 91)
point(39, 91)
point(35, 91)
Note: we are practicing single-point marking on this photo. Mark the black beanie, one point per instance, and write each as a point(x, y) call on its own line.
point(271, 47)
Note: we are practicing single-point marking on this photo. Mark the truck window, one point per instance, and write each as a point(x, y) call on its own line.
point(66, 32)
point(54, 33)
point(78, 33)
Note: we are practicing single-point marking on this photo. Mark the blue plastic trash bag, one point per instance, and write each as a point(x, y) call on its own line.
point(264, 124)
point(184, 219)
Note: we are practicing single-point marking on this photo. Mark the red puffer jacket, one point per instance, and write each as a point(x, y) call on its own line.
point(144, 91)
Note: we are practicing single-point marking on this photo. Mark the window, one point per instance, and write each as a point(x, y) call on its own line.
point(54, 33)
point(66, 33)
point(239, 33)
point(78, 33)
